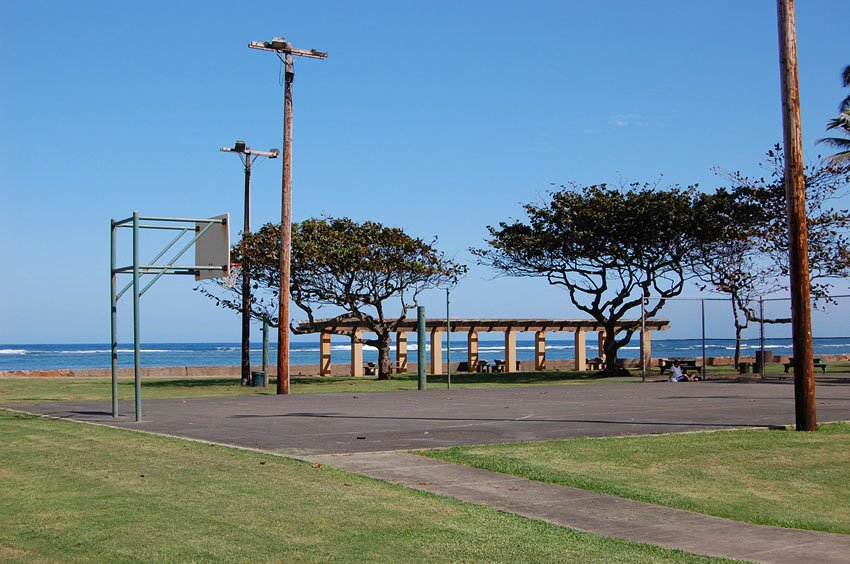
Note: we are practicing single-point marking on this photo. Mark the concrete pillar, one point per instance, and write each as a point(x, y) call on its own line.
point(540, 350)
point(436, 352)
point(325, 354)
point(647, 349)
point(401, 351)
point(581, 350)
point(356, 354)
point(472, 350)
point(601, 345)
point(510, 350)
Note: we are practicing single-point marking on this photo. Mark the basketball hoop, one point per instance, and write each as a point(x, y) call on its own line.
point(231, 279)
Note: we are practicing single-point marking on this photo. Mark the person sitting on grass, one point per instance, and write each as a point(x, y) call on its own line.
point(676, 374)
point(679, 375)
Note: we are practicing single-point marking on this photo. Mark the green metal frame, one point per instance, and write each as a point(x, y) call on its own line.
point(139, 270)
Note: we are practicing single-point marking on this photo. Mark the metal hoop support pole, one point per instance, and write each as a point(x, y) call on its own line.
point(137, 373)
point(113, 321)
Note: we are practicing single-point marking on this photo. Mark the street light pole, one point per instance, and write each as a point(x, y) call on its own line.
point(280, 46)
point(247, 155)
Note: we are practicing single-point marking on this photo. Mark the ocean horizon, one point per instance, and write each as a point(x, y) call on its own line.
point(154, 355)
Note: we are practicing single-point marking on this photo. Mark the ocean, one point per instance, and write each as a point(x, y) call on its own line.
point(86, 356)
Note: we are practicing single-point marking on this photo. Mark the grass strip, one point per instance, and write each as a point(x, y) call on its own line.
point(82, 493)
point(21, 390)
point(782, 478)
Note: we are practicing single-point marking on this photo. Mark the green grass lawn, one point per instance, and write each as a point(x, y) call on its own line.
point(38, 390)
point(82, 493)
point(782, 478)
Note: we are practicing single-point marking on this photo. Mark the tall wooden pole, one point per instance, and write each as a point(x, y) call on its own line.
point(795, 197)
point(285, 234)
point(280, 46)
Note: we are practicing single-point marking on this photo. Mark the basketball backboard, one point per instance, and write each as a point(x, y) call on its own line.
point(213, 249)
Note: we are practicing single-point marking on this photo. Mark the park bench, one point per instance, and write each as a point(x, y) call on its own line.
point(817, 363)
point(685, 365)
point(370, 369)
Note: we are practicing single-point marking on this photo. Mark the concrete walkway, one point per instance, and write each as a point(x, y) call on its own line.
point(598, 513)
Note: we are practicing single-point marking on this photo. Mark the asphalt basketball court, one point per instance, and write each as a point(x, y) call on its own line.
point(313, 424)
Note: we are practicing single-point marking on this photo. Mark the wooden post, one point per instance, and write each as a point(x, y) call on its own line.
point(325, 354)
point(540, 350)
point(472, 350)
point(795, 198)
point(580, 350)
point(401, 351)
point(356, 354)
point(601, 346)
point(510, 350)
point(436, 352)
point(647, 349)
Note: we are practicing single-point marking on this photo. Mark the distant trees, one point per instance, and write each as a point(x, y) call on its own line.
point(363, 269)
point(607, 248)
point(841, 123)
point(728, 263)
point(750, 256)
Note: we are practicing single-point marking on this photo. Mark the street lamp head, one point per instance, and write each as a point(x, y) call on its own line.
point(278, 43)
point(274, 153)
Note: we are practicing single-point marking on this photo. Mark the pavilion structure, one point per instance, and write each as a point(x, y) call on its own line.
point(354, 329)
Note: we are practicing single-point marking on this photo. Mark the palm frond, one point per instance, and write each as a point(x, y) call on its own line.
point(837, 142)
point(842, 121)
point(845, 76)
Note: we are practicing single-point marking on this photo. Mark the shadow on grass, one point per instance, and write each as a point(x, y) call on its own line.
point(191, 383)
point(467, 378)
point(460, 378)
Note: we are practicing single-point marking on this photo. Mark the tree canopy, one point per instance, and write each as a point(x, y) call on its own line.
point(609, 248)
point(751, 257)
point(367, 271)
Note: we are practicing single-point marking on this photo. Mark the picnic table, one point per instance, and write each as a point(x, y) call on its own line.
point(595, 363)
point(817, 363)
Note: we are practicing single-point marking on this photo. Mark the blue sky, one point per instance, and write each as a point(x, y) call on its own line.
point(442, 117)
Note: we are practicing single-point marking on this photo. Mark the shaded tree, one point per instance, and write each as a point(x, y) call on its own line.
point(730, 262)
point(364, 269)
point(608, 248)
point(750, 256)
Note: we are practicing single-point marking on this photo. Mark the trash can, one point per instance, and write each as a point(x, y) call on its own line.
point(744, 367)
point(764, 356)
point(258, 379)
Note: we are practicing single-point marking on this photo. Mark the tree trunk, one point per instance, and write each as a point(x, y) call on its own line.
point(384, 360)
point(738, 336)
point(609, 346)
point(740, 325)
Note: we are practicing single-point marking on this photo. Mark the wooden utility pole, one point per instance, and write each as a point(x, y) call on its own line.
point(280, 46)
point(795, 198)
